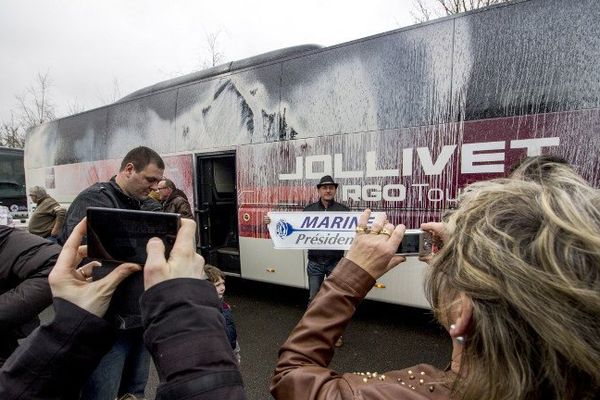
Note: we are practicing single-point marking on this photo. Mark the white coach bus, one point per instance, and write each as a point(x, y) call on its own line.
point(403, 120)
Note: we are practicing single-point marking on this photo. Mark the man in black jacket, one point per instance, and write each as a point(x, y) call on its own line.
point(125, 367)
point(24, 291)
point(322, 262)
point(184, 328)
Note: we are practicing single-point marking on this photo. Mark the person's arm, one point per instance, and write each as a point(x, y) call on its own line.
point(302, 369)
point(184, 208)
point(55, 361)
point(78, 211)
point(184, 331)
point(59, 220)
point(57, 358)
point(184, 327)
point(30, 259)
point(24, 302)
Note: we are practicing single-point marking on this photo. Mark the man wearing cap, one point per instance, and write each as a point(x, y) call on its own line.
point(322, 262)
point(48, 217)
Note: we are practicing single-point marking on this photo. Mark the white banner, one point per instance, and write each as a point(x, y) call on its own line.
point(314, 230)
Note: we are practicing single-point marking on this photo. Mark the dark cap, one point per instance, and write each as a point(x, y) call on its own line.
point(326, 180)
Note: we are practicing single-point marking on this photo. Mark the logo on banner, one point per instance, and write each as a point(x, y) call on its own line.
point(283, 228)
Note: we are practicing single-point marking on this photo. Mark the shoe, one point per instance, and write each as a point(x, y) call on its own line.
point(339, 342)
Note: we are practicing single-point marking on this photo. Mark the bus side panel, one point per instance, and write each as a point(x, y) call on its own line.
point(238, 108)
point(530, 57)
point(390, 81)
point(403, 285)
point(412, 174)
point(260, 262)
point(149, 121)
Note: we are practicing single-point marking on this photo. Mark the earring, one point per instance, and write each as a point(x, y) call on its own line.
point(459, 339)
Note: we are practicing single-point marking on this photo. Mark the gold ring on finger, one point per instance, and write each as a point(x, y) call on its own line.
point(385, 232)
point(374, 232)
point(360, 229)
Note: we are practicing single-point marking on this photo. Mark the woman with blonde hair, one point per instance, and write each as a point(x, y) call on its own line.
point(516, 284)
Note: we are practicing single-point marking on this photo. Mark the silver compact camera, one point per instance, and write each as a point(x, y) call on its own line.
point(415, 242)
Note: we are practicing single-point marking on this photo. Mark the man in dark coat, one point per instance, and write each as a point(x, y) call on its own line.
point(322, 262)
point(173, 199)
point(48, 217)
point(24, 291)
point(125, 367)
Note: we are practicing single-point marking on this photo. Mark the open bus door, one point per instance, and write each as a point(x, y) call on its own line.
point(217, 211)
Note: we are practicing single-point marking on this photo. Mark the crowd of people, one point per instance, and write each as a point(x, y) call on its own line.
point(515, 281)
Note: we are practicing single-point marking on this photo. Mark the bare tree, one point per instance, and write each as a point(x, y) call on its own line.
point(214, 55)
point(74, 107)
point(428, 9)
point(35, 106)
point(114, 95)
point(12, 133)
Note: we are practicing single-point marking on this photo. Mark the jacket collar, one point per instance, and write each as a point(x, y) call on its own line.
point(121, 194)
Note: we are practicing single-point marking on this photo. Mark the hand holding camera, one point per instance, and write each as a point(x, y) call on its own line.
point(183, 261)
point(74, 284)
point(375, 251)
point(438, 235)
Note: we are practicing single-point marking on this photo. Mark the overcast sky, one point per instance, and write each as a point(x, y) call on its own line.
point(87, 46)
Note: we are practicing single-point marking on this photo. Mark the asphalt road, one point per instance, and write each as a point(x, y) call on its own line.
point(380, 338)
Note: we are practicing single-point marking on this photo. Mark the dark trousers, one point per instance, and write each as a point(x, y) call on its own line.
point(317, 270)
point(124, 369)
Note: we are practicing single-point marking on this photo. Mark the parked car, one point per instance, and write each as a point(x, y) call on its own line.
point(14, 196)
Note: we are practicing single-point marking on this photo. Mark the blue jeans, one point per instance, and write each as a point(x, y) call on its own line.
point(124, 369)
point(316, 274)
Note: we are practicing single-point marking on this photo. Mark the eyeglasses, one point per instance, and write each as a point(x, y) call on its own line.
point(162, 188)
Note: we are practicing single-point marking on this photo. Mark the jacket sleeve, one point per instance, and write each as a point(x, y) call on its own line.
point(301, 371)
point(185, 333)
point(30, 259)
point(183, 208)
point(230, 328)
point(55, 361)
point(149, 204)
point(78, 210)
point(60, 214)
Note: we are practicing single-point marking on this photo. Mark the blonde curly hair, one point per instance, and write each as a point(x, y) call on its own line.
point(526, 251)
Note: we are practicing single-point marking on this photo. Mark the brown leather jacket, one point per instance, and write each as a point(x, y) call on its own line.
point(302, 373)
point(178, 203)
